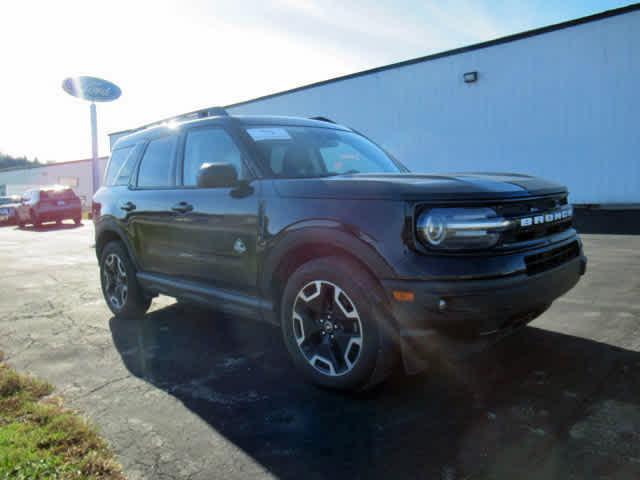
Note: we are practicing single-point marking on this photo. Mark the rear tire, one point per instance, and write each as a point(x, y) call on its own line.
point(120, 287)
point(77, 221)
point(335, 325)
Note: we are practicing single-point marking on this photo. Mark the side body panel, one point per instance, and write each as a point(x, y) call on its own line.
point(215, 242)
point(154, 229)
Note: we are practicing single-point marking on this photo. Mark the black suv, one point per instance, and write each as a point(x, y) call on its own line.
point(310, 226)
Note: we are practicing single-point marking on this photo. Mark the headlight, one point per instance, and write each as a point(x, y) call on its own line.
point(460, 228)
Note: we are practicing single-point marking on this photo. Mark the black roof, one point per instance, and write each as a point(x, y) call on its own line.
point(456, 51)
point(244, 120)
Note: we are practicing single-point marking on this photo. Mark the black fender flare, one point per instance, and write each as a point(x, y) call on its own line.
point(109, 227)
point(328, 234)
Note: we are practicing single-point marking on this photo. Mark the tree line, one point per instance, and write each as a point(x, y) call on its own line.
point(7, 161)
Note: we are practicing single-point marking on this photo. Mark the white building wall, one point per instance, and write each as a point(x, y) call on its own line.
point(563, 105)
point(17, 181)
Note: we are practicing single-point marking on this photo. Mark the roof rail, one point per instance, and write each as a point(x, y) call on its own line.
point(322, 119)
point(202, 113)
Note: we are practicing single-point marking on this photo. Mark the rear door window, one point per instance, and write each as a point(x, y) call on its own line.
point(156, 166)
point(120, 166)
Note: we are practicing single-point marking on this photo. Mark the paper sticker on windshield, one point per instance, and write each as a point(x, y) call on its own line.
point(272, 133)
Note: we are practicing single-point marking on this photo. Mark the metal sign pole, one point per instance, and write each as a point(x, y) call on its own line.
point(94, 90)
point(95, 174)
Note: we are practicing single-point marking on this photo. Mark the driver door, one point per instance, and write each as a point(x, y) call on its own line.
point(218, 232)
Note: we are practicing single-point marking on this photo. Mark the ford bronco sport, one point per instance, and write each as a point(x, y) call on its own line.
point(310, 226)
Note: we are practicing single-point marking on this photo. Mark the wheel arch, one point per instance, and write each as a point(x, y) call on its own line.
point(304, 244)
point(108, 231)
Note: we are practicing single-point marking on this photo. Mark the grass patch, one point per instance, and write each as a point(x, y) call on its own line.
point(40, 439)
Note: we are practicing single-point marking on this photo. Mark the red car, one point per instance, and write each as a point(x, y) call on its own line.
point(49, 204)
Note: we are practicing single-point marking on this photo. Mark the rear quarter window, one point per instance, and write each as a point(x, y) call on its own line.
point(120, 166)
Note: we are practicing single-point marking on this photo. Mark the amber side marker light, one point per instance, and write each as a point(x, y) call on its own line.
point(404, 296)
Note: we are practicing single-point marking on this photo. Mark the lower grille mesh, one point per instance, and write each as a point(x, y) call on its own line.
point(541, 262)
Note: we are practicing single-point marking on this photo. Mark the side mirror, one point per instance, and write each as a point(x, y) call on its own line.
point(217, 175)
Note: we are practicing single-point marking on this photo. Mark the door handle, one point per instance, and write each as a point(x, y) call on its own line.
point(182, 207)
point(128, 206)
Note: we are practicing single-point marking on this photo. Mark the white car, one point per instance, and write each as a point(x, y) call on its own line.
point(8, 207)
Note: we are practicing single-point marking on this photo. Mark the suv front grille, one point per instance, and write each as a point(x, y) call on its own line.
point(541, 262)
point(516, 236)
point(528, 208)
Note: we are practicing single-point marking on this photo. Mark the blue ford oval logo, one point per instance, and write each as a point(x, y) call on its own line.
point(91, 88)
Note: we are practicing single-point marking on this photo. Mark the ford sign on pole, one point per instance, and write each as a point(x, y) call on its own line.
point(93, 90)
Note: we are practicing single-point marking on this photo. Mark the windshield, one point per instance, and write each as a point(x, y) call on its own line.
point(303, 152)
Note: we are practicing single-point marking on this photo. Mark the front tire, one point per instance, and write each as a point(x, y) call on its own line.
point(334, 325)
point(120, 287)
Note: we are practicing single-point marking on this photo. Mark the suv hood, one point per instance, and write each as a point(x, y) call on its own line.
point(410, 186)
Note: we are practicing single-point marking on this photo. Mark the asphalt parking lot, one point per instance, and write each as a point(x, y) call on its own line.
point(190, 393)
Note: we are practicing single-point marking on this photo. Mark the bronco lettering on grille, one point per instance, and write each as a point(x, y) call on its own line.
point(549, 217)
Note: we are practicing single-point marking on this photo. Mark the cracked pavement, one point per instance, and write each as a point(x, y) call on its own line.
point(188, 393)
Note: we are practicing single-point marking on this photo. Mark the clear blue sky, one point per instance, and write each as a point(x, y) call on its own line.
point(174, 56)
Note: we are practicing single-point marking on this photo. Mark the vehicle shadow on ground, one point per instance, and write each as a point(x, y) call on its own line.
point(539, 405)
point(50, 227)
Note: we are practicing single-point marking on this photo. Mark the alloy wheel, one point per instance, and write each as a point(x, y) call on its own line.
point(115, 281)
point(327, 328)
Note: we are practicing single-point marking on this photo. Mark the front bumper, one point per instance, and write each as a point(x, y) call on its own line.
point(460, 317)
